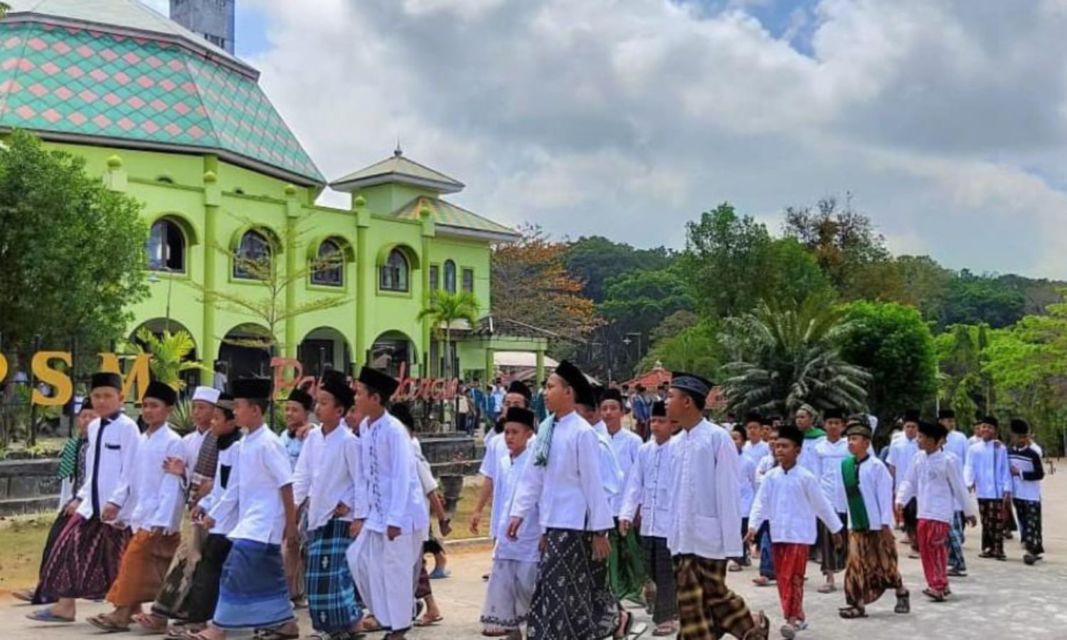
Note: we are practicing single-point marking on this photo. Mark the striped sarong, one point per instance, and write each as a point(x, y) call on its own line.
point(331, 592)
point(572, 600)
point(84, 561)
point(253, 592)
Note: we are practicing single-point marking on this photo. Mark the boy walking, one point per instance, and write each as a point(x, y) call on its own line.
point(790, 499)
point(987, 473)
point(937, 487)
point(1026, 475)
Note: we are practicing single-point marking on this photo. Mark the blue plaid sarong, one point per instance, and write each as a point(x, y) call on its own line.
point(331, 592)
point(253, 592)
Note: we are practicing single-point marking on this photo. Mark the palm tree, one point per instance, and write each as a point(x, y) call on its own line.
point(169, 353)
point(445, 309)
point(784, 356)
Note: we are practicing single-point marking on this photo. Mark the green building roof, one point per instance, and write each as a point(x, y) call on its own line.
point(115, 72)
point(449, 216)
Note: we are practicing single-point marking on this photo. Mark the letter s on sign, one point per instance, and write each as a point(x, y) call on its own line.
point(57, 379)
point(3, 367)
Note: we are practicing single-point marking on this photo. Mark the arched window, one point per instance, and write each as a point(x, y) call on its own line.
point(253, 258)
point(393, 275)
point(450, 276)
point(329, 269)
point(166, 247)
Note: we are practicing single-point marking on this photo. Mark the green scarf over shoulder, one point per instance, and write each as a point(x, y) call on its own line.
point(857, 509)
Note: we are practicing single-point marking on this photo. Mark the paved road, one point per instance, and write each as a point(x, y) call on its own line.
point(998, 600)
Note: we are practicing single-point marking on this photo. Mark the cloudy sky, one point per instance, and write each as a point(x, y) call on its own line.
point(947, 120)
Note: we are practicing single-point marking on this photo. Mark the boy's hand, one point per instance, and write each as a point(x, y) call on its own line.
point(601, 547)
point(355, 528)
point(971, 520)
point(513, 528)
point(750, 536)
point(838, 539)
point(624, 527)
point(476, 519)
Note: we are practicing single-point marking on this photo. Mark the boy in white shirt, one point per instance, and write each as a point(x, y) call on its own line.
point(935, 483)
point(1026, 475)
point(872, 559)
point(986, 472)
point(326, 476)
point(790, 499)
point(154, 514)
point(626, 571)
point(747, 485)
point(253, 592)
point(830, 452)
point(648, 490)
point(85, 558)
point(755, 448)
point(515, 559)
point(901, 454)
point(957, 445)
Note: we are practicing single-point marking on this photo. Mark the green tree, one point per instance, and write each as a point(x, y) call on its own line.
point(596, 261)
point(892, 343)
point(975, 299)
point(925, 283)
point(783, 356)
point(169, 353)
point(72, 257)
point(694, 349)
point(444, 310)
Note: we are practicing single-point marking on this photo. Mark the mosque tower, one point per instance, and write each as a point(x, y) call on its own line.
point(212, 19)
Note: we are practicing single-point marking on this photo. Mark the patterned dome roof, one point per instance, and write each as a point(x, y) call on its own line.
point(134, 78)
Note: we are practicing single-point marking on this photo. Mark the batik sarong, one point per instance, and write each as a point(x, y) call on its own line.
point(790, 563)
point(872, 567)
point(658, 565)
point(58, 525)
point(85, 560)
point(956, 560)
point(253, 592)
point(993, 521)
point(331, 592)
point(833, 559)
point(204, 593)
point(626, 567)
point(1029, 512)
point(707, 608)
point(172, 598)
point(143, 568)
point(572, 600)
point(422, 584)
point(509, 593)
point(293, 558)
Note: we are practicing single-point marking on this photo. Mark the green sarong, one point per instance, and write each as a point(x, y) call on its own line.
point(626, 567)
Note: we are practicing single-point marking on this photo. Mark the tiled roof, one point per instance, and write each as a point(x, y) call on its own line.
point(400, 169)
point(78, 81)
point(447, 214)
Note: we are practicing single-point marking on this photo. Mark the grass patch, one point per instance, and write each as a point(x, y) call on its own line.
point(21, 543)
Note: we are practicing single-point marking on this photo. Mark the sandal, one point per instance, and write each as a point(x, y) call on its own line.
point(624, 628)
point(46, 615)
point(851, 613)
point(150, 622)
point(104, 622)
point(275, 634)
point(665, 629)
point(762, 581)
point(182, 632)
point(428, 622)
point(827, 588)
point(762, 630)
point(24, 595)
point(495, 632)
point(936, 596)
point(370, 624)
point(903, 603)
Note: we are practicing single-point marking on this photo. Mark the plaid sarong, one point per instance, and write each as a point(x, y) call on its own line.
point(572, 600)
point(331, 591)
point(707, 608)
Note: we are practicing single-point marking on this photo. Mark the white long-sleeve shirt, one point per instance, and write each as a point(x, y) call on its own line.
point(510, 472)
point(790, 501)
point(648, 488)
point(876, 489)
point(256, 481)
point(156, 496)
point(495, 449)
point(765, 464)
point(809, 457)
point(327, 474)
point(937, 485)
point(987, 470)
point(226, 519)
point(956, 444)
point(901, 455)
point(391, 495)
point(830, 479)
point(611, 474)
point(625, 444)
point(568, 491)
point(746, 478)
point(755, 452)
point(705, 514)
point(191, 443)
point(110, 462)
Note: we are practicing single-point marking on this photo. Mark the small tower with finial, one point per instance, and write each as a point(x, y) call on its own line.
point(215, 20)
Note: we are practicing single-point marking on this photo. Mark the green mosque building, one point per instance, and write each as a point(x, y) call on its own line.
point(163, 115)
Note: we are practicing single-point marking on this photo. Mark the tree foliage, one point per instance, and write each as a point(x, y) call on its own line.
point(531, 284)
point(695, 349)
point(597, 261)
point(783, 356)
point(975, 299)
point(892, 343)
point(443, 311)
point(72, 255)
point(170, 354)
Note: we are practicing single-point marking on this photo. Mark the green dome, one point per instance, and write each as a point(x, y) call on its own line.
point(114, 72)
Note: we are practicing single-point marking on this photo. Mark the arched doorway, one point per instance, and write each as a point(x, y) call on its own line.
point(245, 352)
point(323, 348)
point(159, 327)
point(391, 352)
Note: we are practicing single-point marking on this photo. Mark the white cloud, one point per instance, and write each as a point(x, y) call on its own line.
point(629, 117)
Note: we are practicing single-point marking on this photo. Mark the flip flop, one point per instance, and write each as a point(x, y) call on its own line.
point(105, 623)
point(827, 588)
point(150, 623)
point(428, 622)
point(46, 615)
point(23, 595)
